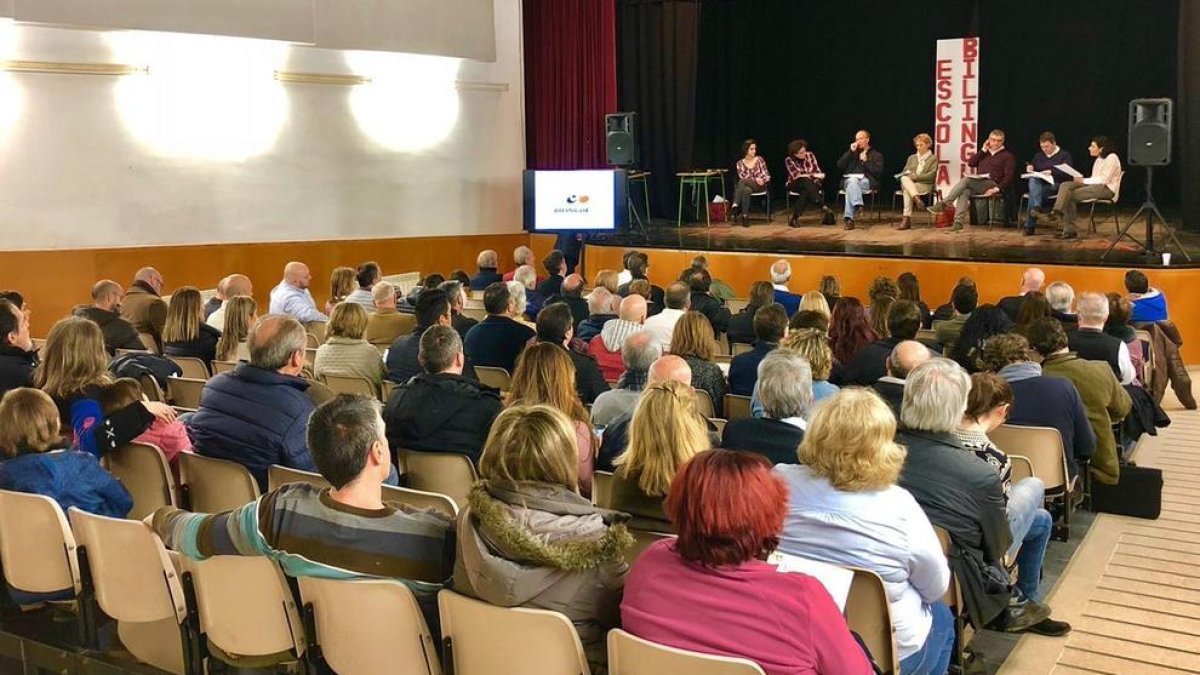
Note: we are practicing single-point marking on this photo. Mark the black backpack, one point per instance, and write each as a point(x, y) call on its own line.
point(137, 365)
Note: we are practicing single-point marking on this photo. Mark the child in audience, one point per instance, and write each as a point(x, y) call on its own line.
point(169, 437)
point(37, 461)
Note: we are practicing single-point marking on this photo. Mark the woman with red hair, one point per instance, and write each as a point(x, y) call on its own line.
point(708, 591)
point(849, 329)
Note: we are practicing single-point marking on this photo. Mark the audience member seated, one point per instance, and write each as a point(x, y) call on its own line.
point(612, 279)
point(556, 269)
point(487, 262)
point(904, 357)
point(522, 255)
point(741, 325)
point(1149, 304)
point(615, 437)
point(693, 342)
point(785, 389)
point(171, 438)
point(74, 372)
point(813, 345)
point(528, 539)
point(781, 274)
point(1029, 523)
point(343, 531)
point(345, 352)
point(386, 323)
point(985, 322)
point(718, 289)
point(1041, 401)
point(1090, 342)
point(440, 410)
point(601, 309)
point(699, 282)
point(342, 283)
point(430, 282)
point(1034, 306)
point(664, 433)
point(554, 327)
point(845, 508)
point(849, 332)
point(831, 288)
point(881, 287)
point(728, 510)
point(1105, 401)
point(18, 356)
point(877, 315)
point(870, 363)
point(292, 297)
point(185, 332)
point(946, 311)
point(770, 327)
point(1031, 282)
point(240, 313)
point(105, 312)
point(545, 376)
point(527, 277)
point(1061, 297)
point(639, 266)
point(217, 299)
point(910, 290)
point(234, 285)
point(662, 325)
point(642, 287)
point(143, 305)
point(571, 293)
point(456, 293)
point(433, 309)
point(498, 339)
point(813, 301)
point(37, 460)
point(965, 299)
point(639, 351)
point(255, 414)
point(606, 347)
point(367, 275)
point(960, 494)
point(1118, 324)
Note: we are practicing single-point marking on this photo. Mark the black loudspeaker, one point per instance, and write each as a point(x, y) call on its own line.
point(620, 138)
point(1150, 131)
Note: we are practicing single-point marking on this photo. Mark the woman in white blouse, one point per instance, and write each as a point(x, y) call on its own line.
point(1104, 183)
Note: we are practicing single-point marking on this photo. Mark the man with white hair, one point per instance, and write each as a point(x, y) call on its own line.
point(781, 274)
point(606, 347)
point(292, 297)
point(785, 390)
point(456, 293)
point(1091, 343)
point(601, 310)
point(143, 305)
point(229, 287)
point(1061, 297)
point(386, 323)
point(638, 352)
point(961, 494)
point(904, 357)
point(527, 277)
point(522, 255)
point(1031, 281)
point(487, 275)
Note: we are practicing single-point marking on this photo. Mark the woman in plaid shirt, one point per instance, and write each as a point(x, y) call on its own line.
point(804, 178)
point(753, 176)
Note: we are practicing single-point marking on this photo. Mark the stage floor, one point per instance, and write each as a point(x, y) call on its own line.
point(878, 239)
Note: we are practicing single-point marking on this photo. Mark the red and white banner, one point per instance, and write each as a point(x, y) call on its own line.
point(956, 106)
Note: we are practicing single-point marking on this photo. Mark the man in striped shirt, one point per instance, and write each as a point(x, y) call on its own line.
point(342, 532)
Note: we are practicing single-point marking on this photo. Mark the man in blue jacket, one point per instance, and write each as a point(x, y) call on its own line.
point(1149, 304)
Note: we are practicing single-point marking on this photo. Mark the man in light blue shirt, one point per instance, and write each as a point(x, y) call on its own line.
point(292, 297)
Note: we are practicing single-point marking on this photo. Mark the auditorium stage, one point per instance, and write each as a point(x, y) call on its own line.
point(877, 239)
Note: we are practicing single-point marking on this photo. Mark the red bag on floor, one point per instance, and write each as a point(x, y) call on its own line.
point(945, 218)
point(717, 211)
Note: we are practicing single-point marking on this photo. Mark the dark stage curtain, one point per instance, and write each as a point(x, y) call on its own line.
point(658, 42)
point(570, 81)
point(1187, 113)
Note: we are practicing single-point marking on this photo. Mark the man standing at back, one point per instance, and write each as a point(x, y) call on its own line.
point(292, 297)
point(143, 305)
point(1031, 281)
point(105, 312)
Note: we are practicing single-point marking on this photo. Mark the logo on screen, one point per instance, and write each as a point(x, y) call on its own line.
point(577, 199)
point(576, 204)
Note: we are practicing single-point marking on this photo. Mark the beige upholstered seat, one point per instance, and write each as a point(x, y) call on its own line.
point(143, 471)
point(185, 392)
point(278, 476)
point(704, 404)
point(215, 485)
point(602, 489)
point(487, 640)
point(870, 616)
point(631, 655)
point(740, 348)
point(351, 384)
point(369, 627)
point(193, 368)
point(446, 473)
point(494, 377)
point(223, 366)
point(737, 407)
point(420, 499)
point(37, 547)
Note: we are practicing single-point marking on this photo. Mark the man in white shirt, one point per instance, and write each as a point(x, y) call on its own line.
point(229, 287)
point(367, 275)
point(291, 296)
point(677, 300)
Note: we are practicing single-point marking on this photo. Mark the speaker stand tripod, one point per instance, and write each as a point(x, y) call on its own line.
point(635, 221)
point(1150, 209)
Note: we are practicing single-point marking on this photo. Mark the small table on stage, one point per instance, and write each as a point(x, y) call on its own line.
point(698, 180)
point(639, 176)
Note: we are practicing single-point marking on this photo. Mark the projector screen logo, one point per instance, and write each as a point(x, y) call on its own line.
point(575, 205)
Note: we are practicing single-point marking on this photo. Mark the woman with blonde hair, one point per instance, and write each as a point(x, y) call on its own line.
point(813, 345)
point(185, 332)
point(664, 434)
point(607, 279)
point(342, 282)
point(693, 341)
point(813, 301)
point(845, 508)
point(74, 373)
point(526, 538)
point(241, 313)
point(879, 313)
point(917, 178)
point(545, 375)
point(345, 351)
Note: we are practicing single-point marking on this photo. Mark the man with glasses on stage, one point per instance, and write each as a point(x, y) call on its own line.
point(994, 170)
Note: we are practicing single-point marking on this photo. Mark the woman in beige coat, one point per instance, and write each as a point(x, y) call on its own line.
point(918, 177)
point(345, 352)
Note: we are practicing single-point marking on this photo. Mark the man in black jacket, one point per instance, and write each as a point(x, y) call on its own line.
point(785, 390)
point(602, 307)
point(862, 166)
point(700, 283)
point(498, 339)
point(741, 325)
point(571, 292)
point(440, 410)
point(1031, 281)
point(639, 266)
point(105, 311)
point(555, 267)
point(870, 364)
point(554, 326)
point(457, 296)
point(403, 359)
point(1091, 343)
point(907, 355)
point(18, 357)
point(487, 275)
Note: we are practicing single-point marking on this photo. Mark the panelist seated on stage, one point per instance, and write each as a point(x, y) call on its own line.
point(863, 167)
point(753, 177)
point(1042, 193)
point(918, 177)
point(804, 179)
point(1104, 183)
point(994, 168)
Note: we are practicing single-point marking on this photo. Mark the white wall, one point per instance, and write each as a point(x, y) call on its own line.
point(98, 161)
